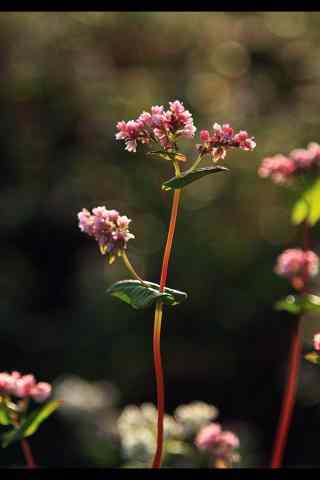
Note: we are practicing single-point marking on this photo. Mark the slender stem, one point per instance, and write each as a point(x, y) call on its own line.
point(27, 453)
point(131, 269)
point(157, 330)
point(194, 166)
point(292, 375)
point(288, 397)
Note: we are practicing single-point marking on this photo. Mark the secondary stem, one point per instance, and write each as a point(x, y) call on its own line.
point(27, 453)
point(131, 269)
point(292, 376)
point(157, 331)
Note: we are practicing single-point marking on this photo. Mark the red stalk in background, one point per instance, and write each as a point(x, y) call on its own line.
point(292, 377)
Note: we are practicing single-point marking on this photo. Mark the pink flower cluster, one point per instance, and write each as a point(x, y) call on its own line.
point(108, 227)
point(281, 168)
point(23, 386)
point(316, 342)
point(221, 443)
point(158, 125)
point(222, 138)
point(297, 265)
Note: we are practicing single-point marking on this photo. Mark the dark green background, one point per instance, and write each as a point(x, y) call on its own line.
point(66, 79)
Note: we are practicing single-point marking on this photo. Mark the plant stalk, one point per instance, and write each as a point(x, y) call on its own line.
point(292, 375)
point(157, 330)
point(27, 453)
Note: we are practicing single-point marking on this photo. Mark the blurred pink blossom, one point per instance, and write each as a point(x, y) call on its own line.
point(296, 263)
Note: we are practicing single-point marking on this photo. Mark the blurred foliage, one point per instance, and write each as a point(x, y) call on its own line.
point(66, 79)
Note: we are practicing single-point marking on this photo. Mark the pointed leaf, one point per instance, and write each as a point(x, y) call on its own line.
point(307, 206)
point(31, 424)
point(190, 177)
point(313, 357)
point(139, 296)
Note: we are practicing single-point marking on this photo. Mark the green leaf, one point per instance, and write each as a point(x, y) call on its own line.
point(31, 424)
point(190, 177)
point(4, 417)
point(173, 156)
point(307, 207)
point(313, 357)
point(139, 296)
point(291, 304)
point(297, 305)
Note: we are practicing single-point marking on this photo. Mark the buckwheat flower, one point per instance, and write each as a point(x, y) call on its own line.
point(207, 437)
point(6, 382)
point(302, 158)
point(158, 125)
point(224, 447)
point(297, 265)
point(132, 132)
point(23, 386)
point(222, 138)
point(40, 392)
point(314, 148)
point(316, 342)
point(279, 168)
point(108, 228)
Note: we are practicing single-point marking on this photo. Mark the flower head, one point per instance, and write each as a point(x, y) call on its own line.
point(23, 386)
point(158, 125)
point(222, 138)
point(281, 169)
point(108, 228)
point(221, 444)
point(297, 265)
point(207, 436)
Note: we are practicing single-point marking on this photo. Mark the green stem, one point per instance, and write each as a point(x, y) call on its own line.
point(131, 269)
point(194, 166)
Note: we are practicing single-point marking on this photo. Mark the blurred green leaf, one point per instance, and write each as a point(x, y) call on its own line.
point(186, 178)
point(313, 357)
point(299, 304)
point(139, 296)
point(31, 424)
point(289, 304)
point(4, 417)
point(307, 207)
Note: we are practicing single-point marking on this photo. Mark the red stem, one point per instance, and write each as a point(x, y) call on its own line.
point(157, 331)
point(27, 453)
point(292, 375)
point(289, 397)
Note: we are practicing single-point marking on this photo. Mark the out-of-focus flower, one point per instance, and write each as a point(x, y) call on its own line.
point(207, 437)
point(281, 168)
point(24, 386)
point(316, 342)
point(220, 444)
point(221, 139)
point(41, 391)
point(194, 416)
point(108, 227)
point(297, 265)
point(159, 126)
